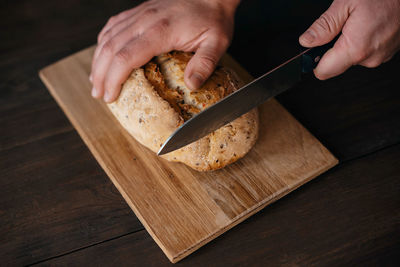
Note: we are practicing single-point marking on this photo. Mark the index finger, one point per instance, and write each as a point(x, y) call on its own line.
point(135, 54)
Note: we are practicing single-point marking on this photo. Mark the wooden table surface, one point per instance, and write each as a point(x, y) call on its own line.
point(58, 207)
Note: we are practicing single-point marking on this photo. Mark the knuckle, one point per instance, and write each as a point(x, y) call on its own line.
point(108, 47)
point(372, 63)
point(105, 36)
point(124, 13)
point(123, 56)
point(325, 22)
point(360, 55)
point(164, 23)
point(111, 20)
point(160, 26)
point(357, 51)
point(150, 11)
point(207, 64)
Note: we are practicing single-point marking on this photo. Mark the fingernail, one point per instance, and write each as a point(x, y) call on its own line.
point(196, 80)
point(307, 37)
point(107, 96)
point(90, 78)
point(94, 92)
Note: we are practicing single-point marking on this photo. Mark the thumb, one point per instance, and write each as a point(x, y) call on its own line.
point(326, 27)
point(335, 61)
point(203, 63)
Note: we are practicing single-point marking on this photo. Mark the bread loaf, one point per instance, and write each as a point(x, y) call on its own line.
point(155, 101)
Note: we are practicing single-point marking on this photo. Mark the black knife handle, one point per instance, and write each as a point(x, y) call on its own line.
point(311, 58)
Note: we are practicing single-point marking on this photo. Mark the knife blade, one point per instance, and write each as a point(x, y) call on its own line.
point(270, 84)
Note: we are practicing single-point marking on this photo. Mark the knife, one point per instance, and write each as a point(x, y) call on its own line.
point(272, 83)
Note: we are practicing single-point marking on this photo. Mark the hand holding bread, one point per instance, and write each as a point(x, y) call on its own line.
point(133, 37)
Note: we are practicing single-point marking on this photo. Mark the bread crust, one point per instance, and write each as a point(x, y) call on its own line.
point(155, 101)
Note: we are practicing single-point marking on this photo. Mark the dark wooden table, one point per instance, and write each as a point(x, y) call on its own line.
point(57, 206)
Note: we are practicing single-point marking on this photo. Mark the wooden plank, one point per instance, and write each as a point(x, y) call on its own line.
point(354, 222)
point(183, 209)
point(28, 112)
point(54, 199)
point(17, 126)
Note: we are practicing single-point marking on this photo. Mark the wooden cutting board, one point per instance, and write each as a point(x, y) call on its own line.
point(183, 209)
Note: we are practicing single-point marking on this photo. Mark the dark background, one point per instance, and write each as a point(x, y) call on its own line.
point(57, 206)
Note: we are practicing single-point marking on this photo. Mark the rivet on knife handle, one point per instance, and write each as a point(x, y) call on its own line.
point(311, 58)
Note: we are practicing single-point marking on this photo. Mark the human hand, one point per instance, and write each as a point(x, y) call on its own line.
point(370, 35)
point(131, 38)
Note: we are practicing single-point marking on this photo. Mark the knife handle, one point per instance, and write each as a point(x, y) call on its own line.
point(311, 58)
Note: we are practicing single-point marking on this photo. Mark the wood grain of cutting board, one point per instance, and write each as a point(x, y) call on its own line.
point(183, 209)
